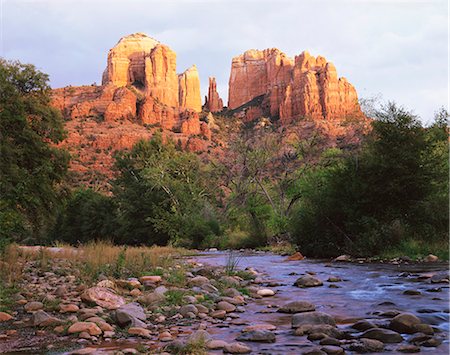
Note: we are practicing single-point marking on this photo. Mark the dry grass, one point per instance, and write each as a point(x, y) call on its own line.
point(90, 260)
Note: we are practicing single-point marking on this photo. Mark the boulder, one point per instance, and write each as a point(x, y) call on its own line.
point(297, 307)
point(102, 297)
point(131, 314)
point(89, 327)
point(4, 317)
point(43, 319)
point(260, 336)
point(312, 318)
point(308, 281)
point(237, 348)
point(33, 306)
point(404, 323)
point(383, 335)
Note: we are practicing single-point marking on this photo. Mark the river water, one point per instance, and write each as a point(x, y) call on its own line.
point(366, 291)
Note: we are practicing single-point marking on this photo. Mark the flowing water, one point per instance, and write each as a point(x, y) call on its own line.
point(366, 290)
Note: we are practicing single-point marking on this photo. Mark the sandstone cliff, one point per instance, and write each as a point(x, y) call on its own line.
point(141, 94)
point(189, 90)
point(280, 87)
point(213, 101)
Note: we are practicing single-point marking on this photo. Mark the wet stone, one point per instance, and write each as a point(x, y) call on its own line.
point(297, 307)
point(384, 335)
point(408, 349)
point(261, 336)
point(333, 350)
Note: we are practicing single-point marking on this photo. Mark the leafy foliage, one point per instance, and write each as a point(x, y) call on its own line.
point(31, 165)
point(369, 202)
point(161, 196)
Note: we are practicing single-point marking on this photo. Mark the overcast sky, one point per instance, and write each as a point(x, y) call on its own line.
point(397, 49)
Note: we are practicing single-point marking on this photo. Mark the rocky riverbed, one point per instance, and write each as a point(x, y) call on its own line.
point(266, 304)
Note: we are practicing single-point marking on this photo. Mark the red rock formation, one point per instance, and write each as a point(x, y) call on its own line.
point(126, 60)
point(281, 87)
point(161, 79)
point(189, 90)
point(256, 73)
point(141, 93)
point(190, 124)
point(213, 102)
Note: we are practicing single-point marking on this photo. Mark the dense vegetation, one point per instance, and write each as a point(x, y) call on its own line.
point(393, 191)
point(386, 196)
point(31, 166)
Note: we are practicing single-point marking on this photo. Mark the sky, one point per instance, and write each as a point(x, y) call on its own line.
point(392, 50)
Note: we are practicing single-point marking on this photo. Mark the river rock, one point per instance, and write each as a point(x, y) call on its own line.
point(220, 314)
point(151, 299)
point(237, 348)
point(263, 326)
point(384, 335)
point(261, 336)
point(43, 319)
point(33, 306)
point(142, 332)
point(216, 344)
point(227, 307)
point(314, 351)
point(334, 279)
point(365, 345)
point(423, 328)
point(150, 279)
point(407, 348)
point(308, 281)
point(88, 327)
point(329, 341)
point(102, 297)
point(295, 257)
point(4, 317)
point(69, 308)
point(311, 318)
point(297, 307)
point(198, 281)
point(431, 258)
point(131, 314)
point(404, 323)
point(265, 292)
point(333, 350)
point(343, 258)
point(189, 308)
point(412, 292)
point(363, 325)
point(199, 336)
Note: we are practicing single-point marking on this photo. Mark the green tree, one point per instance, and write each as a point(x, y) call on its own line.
point(87, 215)
point(368, 202)
point(31, 164)
point(161, 195)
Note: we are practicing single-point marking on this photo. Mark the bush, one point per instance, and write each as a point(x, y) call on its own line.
point(395, 188)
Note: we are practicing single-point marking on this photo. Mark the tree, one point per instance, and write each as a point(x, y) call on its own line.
point(87, 215)
point(373, 200)
point(161, 195)
point(31, 164)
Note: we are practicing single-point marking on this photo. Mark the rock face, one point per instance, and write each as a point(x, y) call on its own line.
point(140, 94)
point(189, 92)
point(290, 89)
point(213, 101)
point(126, 60)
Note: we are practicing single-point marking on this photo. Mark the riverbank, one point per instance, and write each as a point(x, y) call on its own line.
point(184, 304)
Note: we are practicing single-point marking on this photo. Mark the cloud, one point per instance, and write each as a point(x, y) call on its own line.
point(397, 48)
